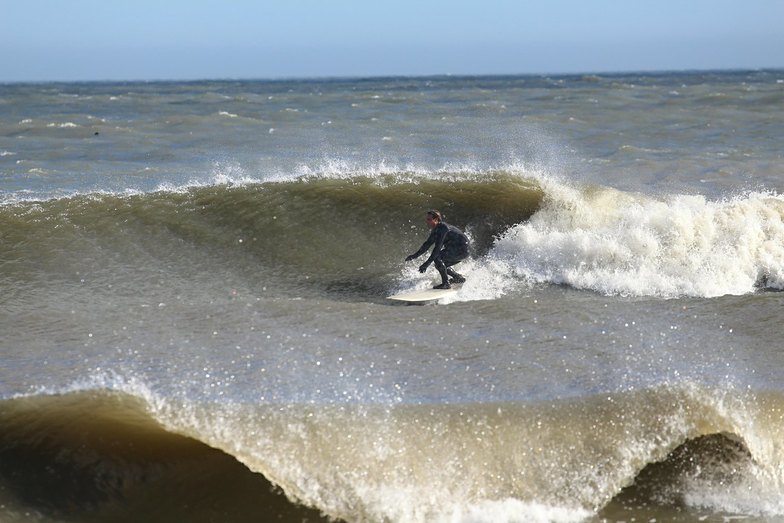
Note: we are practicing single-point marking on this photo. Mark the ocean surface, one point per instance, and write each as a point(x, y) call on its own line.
point(194, 324)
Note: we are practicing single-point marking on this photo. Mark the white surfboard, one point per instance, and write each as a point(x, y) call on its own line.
point(423, 295)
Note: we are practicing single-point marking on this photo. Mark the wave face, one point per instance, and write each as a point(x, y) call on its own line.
point(102, 455)
point(340, 234)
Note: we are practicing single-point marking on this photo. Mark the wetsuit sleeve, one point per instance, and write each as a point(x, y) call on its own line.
point(426, 245)
point(437, 237)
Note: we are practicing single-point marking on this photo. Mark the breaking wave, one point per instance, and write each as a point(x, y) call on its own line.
point(124, 453)
point(347, 232)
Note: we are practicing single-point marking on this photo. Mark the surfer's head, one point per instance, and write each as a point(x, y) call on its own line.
point(432, 218)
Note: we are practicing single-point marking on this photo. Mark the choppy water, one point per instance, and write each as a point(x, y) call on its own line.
point(193, 320)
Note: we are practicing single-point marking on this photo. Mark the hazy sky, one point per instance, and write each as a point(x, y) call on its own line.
point(197, 39)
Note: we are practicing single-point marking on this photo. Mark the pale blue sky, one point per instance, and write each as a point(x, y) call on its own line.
point(195, 39)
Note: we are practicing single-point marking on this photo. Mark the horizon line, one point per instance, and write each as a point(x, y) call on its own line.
point(337, 78)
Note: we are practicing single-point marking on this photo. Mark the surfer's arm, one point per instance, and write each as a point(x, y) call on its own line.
point(425, 246)
point(438, 237)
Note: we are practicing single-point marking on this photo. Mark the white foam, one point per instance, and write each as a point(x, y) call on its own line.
point(621, 243)
point(340, 167)
point(223, 173)
point(513, 510)
point(485, 280)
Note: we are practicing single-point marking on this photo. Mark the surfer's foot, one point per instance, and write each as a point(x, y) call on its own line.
point(457, 279)
point(444, 285)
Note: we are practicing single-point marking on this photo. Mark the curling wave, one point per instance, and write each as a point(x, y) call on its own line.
point(349, 233)
point(126, 455)
point(336, 233)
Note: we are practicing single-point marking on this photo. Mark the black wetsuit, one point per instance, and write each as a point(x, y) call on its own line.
point(451, 247)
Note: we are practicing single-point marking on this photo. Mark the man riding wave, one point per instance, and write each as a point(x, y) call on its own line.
point(450, 248)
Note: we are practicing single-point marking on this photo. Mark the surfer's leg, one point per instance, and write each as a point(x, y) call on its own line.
point(441, 268)
point(450, 259)
point(455, 276)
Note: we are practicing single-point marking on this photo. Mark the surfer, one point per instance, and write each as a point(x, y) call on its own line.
point(451, 247)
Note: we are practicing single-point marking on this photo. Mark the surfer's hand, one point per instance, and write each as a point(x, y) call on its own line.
point(423, 267)
point(410, 257)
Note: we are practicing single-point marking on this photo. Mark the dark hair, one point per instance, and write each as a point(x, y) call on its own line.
point(435, 215)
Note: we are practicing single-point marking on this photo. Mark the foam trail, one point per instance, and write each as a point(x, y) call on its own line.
point(486, 279)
